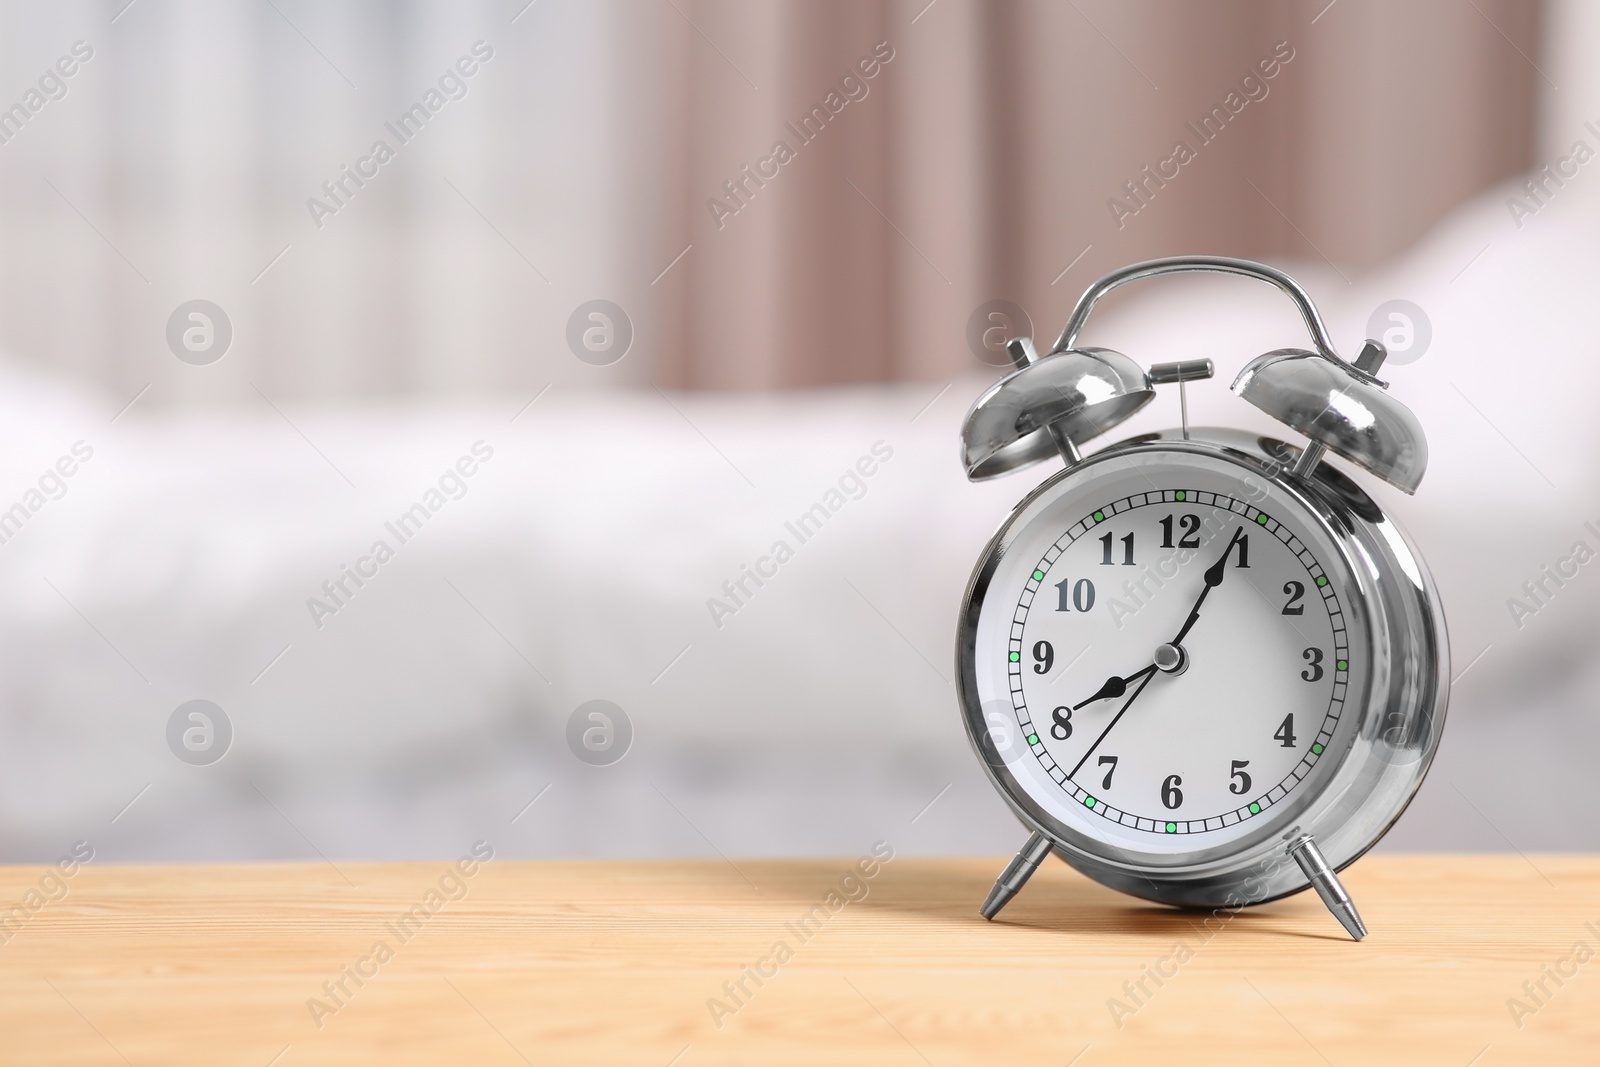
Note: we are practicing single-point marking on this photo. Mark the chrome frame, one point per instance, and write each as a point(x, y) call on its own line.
point(1389, 596)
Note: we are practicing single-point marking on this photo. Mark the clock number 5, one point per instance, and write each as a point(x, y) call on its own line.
point(1241, 778)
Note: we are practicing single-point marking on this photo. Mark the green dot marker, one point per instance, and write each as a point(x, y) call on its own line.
point(1016, 656)
point(1038, 576)
point(1033, 739)
point(1344, 665)
point(1088, 802)
point(1321, 580)
point(1172, 827)
point(1180, 495)
point(1262, 519)
point(1255, 809)
point(1317, 748)
point(1099, 516)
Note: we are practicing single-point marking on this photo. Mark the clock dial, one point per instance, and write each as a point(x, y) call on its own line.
point(1174, 660)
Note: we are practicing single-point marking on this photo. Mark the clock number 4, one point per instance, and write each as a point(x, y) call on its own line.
point(1285, 732)
point(1079, 594)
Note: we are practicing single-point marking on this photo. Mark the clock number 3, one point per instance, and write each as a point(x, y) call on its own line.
point(1314, 672)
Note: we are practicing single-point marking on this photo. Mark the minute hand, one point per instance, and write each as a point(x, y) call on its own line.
point(1214, 574)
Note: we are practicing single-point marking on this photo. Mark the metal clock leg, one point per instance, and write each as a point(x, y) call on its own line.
point(1329, 888)
point(1016, 874)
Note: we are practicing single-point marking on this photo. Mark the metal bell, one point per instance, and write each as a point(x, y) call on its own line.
point(1049, 406)
point(1348, 413)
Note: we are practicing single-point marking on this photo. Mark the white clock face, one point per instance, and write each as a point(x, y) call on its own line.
point(1166, 639)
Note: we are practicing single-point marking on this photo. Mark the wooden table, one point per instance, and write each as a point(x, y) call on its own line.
point(615, 963)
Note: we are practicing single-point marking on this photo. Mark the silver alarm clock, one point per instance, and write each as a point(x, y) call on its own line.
point(1202, 666)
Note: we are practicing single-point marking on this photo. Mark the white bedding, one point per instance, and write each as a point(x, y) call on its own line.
point(431, 706)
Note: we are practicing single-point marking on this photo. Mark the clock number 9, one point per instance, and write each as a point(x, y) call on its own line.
point(1044, 657)
point(1171, 795)
point(1062, 729)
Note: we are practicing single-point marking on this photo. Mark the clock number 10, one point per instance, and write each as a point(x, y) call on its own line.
point(1079, 594)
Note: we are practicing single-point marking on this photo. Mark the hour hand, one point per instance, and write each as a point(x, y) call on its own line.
point(1115, 686)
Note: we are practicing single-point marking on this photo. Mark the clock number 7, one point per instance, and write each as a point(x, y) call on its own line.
point(1111, 763)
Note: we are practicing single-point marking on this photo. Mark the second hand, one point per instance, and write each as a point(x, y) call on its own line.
point(1111, 724)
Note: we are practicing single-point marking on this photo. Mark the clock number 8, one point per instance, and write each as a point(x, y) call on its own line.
point(1063, 723)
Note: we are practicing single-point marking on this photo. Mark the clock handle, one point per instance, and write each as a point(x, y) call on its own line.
point(1152, 268)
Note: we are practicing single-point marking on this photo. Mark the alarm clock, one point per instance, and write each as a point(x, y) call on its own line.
point(1202, 666)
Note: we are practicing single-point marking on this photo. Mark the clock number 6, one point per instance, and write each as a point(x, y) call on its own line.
point(1171, 795)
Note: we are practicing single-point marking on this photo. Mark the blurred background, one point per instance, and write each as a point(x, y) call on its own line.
point(614, 290)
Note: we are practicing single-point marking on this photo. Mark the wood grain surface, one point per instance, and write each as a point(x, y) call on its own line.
point(625, 963)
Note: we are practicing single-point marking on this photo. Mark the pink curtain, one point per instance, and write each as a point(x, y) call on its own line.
point(972, 151)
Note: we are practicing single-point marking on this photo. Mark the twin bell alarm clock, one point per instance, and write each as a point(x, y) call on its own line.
point(1202, 666)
